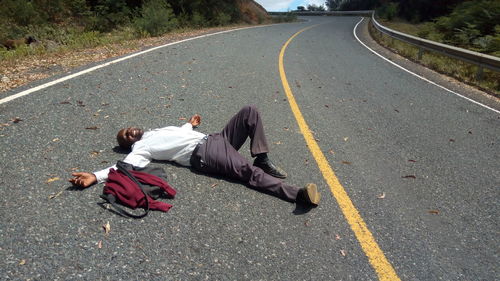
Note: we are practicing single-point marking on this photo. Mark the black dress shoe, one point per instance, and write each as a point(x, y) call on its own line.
point(309, 195)
point(269, 168)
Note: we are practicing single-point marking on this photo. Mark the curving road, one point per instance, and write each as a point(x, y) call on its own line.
point(419, 164)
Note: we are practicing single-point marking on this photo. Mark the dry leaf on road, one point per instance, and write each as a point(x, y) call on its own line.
point(52, 179)
point(381, 196)
point(107, 228)
point(52, 196)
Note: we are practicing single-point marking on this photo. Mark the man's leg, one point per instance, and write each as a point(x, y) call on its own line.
point(247, 123)
point(218, 156)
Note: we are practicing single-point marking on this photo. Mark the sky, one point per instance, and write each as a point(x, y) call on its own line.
point(287, 5)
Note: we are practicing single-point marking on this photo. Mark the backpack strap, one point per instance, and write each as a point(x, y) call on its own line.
point(112, 200)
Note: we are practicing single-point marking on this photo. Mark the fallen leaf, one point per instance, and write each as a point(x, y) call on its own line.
point(452, 140)
point(214, 185)
point(56, 139)
point(434, 212)
point(279, 142)
point(346, 162)
point(65, 102)
point(52, 179)
point(16, 120)
point(286, 128)
point(337, 237)
point(306, 223)
point(94, 153)
point(396, 110)
point(92, 128)
point(80, 103)
point(22, 262)
point(107, 228)
point(346, 138)
point(331, 151)
point(343, 253)
point(4, 125)
point(52, 196)
point(182, 118)
point(99, 244)
point(381, 196)
point(327, 106)
point(409, 177)
point(411, 160)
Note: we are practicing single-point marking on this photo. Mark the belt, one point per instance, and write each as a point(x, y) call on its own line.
point(202, 141)
point(193, 161)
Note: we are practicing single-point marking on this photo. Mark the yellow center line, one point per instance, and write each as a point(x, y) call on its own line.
point(376, 257)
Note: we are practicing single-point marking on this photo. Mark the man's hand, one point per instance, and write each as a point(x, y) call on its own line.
point(195, 120)
point(83, 179)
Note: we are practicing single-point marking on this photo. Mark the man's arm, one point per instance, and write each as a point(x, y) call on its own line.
point(83, 179)
point(195, 120)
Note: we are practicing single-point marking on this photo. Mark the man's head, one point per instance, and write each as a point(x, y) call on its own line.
point(127, 137)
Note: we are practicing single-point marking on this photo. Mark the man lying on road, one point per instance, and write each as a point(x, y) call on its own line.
point(213, 154)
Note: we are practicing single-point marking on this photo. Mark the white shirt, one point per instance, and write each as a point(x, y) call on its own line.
point(168, 143)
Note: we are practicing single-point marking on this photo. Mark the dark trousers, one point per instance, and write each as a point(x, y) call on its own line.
point(218, 154)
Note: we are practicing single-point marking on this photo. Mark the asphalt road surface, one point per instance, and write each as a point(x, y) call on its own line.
point(419, 164)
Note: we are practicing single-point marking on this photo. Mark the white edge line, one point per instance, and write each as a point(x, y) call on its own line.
point(421, 77)
point(62, 79)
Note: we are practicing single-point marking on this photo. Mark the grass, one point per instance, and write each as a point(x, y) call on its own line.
point(457, 69)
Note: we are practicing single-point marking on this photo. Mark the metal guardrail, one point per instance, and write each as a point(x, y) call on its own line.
point(481, 60)
point(324, 13)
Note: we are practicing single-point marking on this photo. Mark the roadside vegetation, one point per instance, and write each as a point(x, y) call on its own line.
point(75, 24)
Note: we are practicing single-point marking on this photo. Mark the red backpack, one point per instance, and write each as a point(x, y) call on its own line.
point(137, 187)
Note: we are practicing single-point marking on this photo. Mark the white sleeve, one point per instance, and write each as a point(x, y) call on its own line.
point(138, 158)
point(187, 126)
point(102, 175)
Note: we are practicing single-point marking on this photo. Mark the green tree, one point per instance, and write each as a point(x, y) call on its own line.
point(156, 18)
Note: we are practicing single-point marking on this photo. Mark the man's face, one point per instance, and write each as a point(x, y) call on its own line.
point(127, 137)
